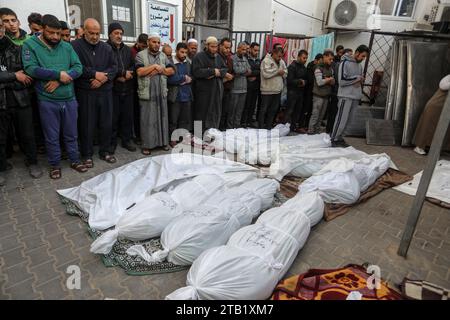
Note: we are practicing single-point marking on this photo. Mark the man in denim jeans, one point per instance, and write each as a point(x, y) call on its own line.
point(55, 65)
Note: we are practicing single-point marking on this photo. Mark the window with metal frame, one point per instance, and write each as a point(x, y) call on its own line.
point(218, 10)
point(126, 12)
point(397, 8)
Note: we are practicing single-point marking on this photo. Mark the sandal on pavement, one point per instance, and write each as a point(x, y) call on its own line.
point(55, 173)
point(109, 158)
point(146, 152)
point(79, 167)
point(89, 163)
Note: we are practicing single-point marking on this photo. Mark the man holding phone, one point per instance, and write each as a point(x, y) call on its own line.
point(123, 90)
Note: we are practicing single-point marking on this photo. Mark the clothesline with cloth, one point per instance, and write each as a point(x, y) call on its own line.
point(314, 46)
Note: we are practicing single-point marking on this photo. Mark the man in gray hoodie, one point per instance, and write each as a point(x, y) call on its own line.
point(351, 80)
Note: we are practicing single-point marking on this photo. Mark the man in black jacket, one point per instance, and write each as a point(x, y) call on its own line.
point(123, 89)
point(297, 80)
point(94, 92)
point(15, 106)
point(333, 104)
point(253, 85)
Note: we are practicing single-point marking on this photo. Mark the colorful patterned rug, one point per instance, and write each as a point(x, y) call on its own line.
point(134, 266)
point(334, 284)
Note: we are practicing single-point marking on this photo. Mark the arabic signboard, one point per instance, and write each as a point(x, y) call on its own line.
point(163, 20)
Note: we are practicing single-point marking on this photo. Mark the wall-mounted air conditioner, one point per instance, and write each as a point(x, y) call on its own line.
point(440, 12)
point(352, 15)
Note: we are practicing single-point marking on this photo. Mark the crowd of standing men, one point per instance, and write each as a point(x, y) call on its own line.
point(68, 95)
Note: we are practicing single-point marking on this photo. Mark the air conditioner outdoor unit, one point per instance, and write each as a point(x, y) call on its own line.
point(352, 15)
point(440, 12)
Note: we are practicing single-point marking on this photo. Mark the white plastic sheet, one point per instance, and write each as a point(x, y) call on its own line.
point(108, 196)
point(440, 183)
point(255, 258)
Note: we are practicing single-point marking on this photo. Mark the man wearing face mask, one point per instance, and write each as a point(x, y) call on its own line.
point(55, 65)
point(15, 106)
point(123, 89)
point(94, 92)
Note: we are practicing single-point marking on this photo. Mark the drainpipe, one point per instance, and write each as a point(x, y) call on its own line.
point(66, 9)
point(232, 6)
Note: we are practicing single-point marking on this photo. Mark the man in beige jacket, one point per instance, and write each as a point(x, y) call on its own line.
point(273, 73)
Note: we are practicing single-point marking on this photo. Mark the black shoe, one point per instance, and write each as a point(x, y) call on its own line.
point(113, 150)
point(137, 141)
point(35, 171)
point(129, 146)
point(41, 150)
point(9, 166)
point(340, 144)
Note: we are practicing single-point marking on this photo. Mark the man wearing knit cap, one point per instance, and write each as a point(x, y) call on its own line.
point(123, 90)
point(209, 70)
point(153, 68)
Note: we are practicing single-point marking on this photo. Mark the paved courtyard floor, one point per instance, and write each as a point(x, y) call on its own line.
point(38, 240)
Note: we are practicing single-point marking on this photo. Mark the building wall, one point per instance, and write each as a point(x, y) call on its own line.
point(288, 21)
point(388, 24)
point(24, 7)
point(252, 15)
point(57, 7)
point(267, 15)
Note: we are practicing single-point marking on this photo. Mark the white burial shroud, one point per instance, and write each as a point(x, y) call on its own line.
point(256, 257)
point(211, 224)
point(152, 215)
point(107, 197)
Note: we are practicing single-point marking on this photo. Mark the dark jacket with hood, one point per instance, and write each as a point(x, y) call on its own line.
point(21, 39)
point(350, 75)
point(255, 64)
point(296, 73)
point(12, 92)
point(125, 62)
point(95, 58)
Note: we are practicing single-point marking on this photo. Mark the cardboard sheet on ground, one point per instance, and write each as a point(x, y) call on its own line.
point(106, 197)
point(440, 183)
